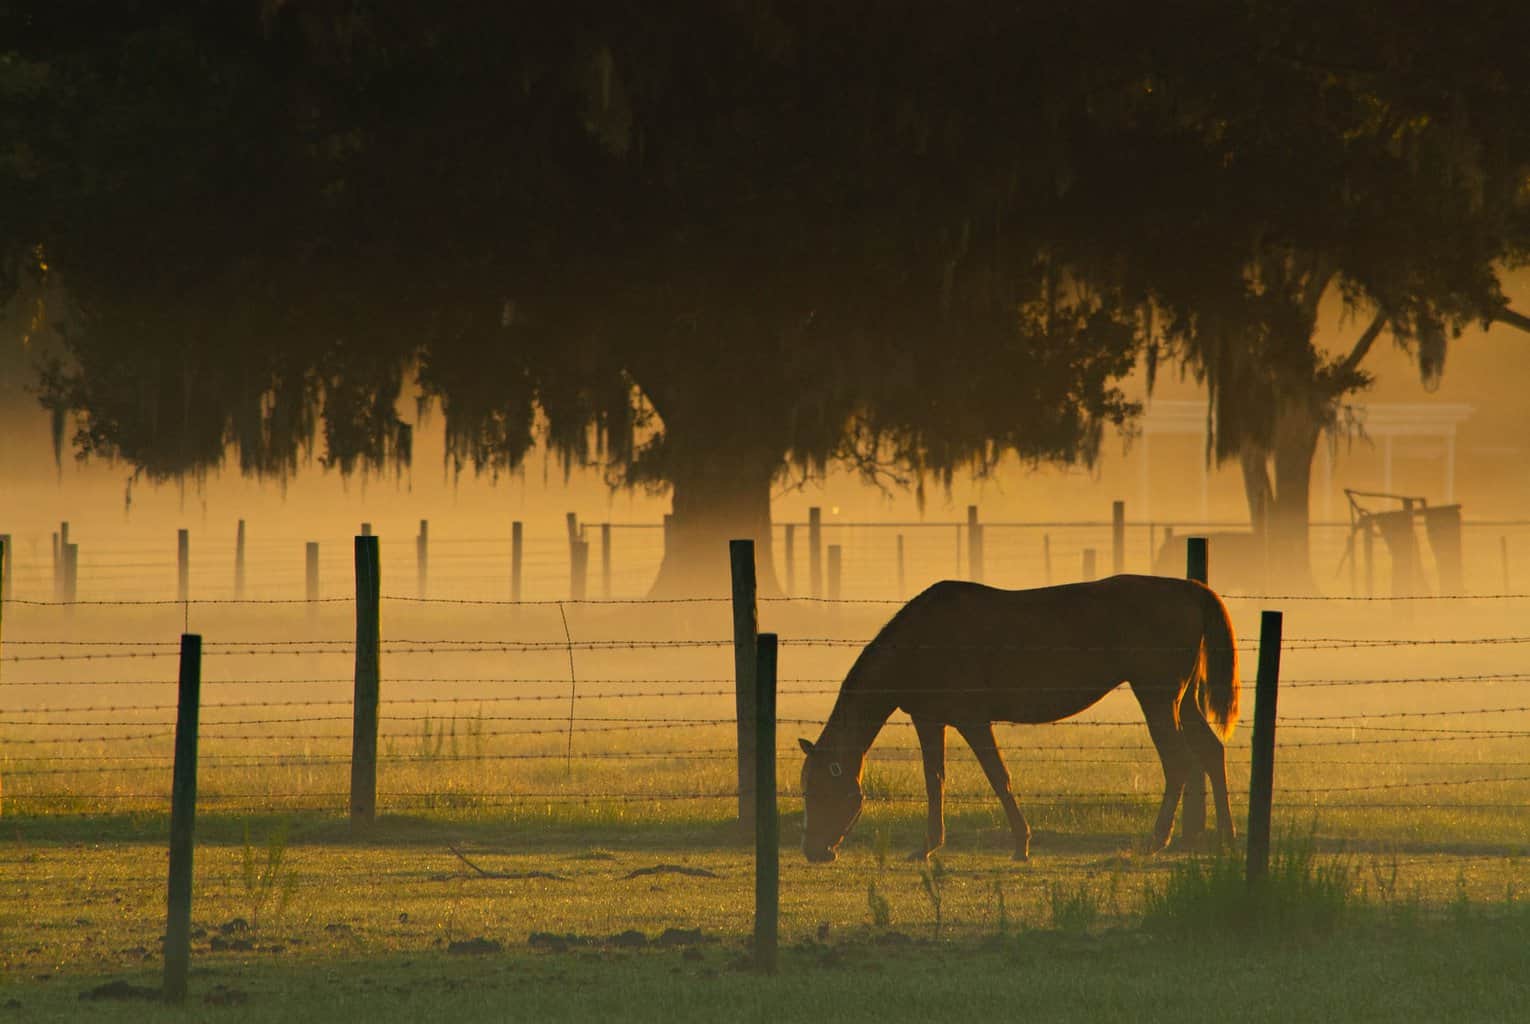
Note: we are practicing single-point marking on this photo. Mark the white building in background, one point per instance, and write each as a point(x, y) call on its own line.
point(1366, 432)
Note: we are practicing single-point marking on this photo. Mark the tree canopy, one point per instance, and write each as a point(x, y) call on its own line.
point(709, 245)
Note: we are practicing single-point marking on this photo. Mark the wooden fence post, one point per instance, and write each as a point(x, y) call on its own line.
point(767, 826)
point(1117, 537)
point(745, 645)
point(605, 561)
point(974, 545)
point(1261, 780)
point(1193, 819)
point(368, 682)
point(517, 558)
point(59, 570)
point(422, 557)
point(578, 569)
point(1089, 567)
point(6, 586)
point(71, 572)
point(58, 580)
point(183, 565)
point(902, 586)
point(239, 562)
point(311, 575)
point(815, 552)
point(789, 558)
point(183, 812)
point(836, 565)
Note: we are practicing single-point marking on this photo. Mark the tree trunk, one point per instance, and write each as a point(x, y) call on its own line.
point(721, 493)
point(1278, 506)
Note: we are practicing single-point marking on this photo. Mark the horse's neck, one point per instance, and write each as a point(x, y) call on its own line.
point(854, 723)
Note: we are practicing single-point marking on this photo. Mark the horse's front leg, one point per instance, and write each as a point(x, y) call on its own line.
point(932, 746)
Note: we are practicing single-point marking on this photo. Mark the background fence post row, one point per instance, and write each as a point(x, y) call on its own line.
point(368, 674)
point(1261, 779)
point(1193, 819)
point(974, 545)
point(836, 570)
point(767, 827)
point(745, 634)
point(183, 811)
point(5, 567)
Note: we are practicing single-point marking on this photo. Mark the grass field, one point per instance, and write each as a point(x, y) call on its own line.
point(517, 801)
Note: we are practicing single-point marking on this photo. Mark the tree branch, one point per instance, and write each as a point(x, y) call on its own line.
point(1364, 343)
point(1513, 319)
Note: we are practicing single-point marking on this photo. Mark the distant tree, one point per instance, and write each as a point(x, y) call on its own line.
point(1377, 152)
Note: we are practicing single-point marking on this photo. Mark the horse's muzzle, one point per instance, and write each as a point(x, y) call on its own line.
point(820, 854)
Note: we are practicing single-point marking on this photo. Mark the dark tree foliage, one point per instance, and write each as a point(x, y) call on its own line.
point(713, 247)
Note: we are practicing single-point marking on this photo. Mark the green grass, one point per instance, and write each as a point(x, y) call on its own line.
point(369, 916)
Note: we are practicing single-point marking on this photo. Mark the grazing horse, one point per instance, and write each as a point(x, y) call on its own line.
point(966, 655)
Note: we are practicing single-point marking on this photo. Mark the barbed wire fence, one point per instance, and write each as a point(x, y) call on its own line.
point(540, 712)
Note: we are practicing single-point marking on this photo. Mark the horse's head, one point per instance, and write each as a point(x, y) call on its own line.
point(831, 801)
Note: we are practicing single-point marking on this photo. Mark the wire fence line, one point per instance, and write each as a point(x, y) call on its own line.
point(458, 739)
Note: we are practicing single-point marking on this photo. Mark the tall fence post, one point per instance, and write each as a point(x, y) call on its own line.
point(815, 552)
point(605, 561)
point(1089, 569)
point(183, 812)
point(71, 572)
point(578, 569)
point(5, 567)
point(1261, 779)
point(902, 585)
point(368, 682)
point(239, 562)
point(836, 569)
point(1193, 820)
point(183, 565)
point(767, 825)
point(61, 564)
point(745, 645)
point(422, 556)
point(311, 574)
point(974, 545)
point(1117, 537)
point(789, 558)
point(517, 558)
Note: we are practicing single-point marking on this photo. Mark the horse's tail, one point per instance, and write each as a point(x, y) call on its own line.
point(1219, 661)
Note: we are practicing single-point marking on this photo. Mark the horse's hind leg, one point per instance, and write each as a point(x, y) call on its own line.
point(1174, 755)
point(932, 746)
point(1208, 749)
point(979, 736)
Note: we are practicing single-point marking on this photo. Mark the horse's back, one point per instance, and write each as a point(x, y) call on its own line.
point(961, 648)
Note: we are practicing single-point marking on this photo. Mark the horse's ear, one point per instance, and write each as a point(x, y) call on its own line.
point(807, 748)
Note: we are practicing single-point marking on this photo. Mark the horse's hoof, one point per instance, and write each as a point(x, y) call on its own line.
point(920, 856)
point(1022, 855)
